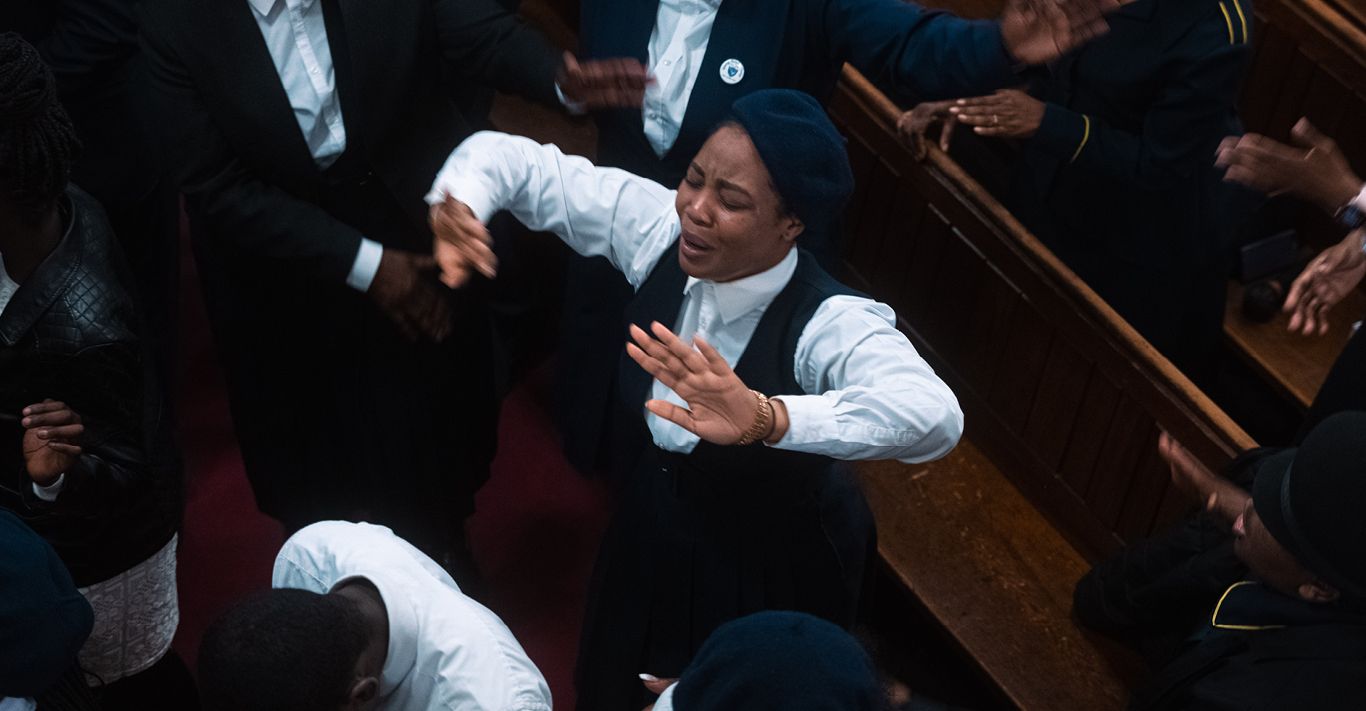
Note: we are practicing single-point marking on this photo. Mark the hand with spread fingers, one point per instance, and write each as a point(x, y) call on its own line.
point(721, 409)
point(404, 290)
point(1008, 113)
point(1325, 281)
point(603, 83)
point(1040, 31)
point(52, 433)
point(463, 244)
point(914, 124)
point(1312, 169)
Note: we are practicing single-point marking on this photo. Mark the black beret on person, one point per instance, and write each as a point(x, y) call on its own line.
point(1313, 501)
point(43, 619)
point(803, 152)
point(779, 660)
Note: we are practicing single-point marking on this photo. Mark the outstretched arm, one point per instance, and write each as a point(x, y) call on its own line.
point(596, 211)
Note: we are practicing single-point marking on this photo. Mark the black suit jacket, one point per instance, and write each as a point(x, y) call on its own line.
point(244, 165)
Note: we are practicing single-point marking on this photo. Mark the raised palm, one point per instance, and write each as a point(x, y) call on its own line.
point(720, 409)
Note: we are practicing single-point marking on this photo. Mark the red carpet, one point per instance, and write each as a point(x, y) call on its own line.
point(534, 535)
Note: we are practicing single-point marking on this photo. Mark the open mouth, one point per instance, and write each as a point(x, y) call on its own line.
point(692, 246)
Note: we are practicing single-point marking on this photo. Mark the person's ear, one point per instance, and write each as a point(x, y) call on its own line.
point(363, 693)
point(1319, 592)
point(792, 227)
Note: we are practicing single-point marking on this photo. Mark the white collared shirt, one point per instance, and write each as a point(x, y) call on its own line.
point(296, 36)
point(446, 651)
point(677, 47)
point(866, 393)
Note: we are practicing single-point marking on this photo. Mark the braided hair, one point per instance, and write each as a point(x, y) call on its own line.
point(37, 140)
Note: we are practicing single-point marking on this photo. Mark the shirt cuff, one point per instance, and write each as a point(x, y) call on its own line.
point(1063, 133)
point(805, 416)
point(50, 492)
point(573, 107)
point(366, 265)
point(470, 192)
point(666, 699)
point(1359, 202)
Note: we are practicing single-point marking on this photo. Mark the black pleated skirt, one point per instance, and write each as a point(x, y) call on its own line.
point(690, 550)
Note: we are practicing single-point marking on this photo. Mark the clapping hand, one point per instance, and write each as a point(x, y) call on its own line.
point(463, 244)
point(1008, 113)
point(1312, 169)
point(51, 433)
point(1220, 496)
point(603, 83)
point(720, 408)
point(915, 123)
point(1323, 283)
point(1040, 31)
point(403, 289)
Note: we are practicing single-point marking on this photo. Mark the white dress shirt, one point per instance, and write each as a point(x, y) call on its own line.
point(677, 46)
point(296, 36)
point(446, 651)
point(866, 393)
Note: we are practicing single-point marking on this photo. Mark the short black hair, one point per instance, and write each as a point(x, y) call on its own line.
point(37, 140)
point(282, 650)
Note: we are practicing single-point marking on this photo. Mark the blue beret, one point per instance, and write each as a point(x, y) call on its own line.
point(779, 660)
point(43, 619)
point(803, 152)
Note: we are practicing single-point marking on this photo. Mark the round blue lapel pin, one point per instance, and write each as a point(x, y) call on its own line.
point(732, 71)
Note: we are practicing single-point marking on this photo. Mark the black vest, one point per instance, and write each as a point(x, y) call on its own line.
point(766, 366)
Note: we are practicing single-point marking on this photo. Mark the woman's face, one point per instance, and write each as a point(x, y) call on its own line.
point(733, 223)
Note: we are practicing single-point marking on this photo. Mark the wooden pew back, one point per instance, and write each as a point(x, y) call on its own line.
point(1059, 392)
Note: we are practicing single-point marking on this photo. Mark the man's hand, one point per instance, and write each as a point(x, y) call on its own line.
point(51, 433)
point(1220, 496)
point(1312, 169)
point(913, 125)
point(1323, 283)
point(403, 289)
point(1040, 31)
point(1009, 113)
point(603, 83)
point(463, 244)
point(720, 408)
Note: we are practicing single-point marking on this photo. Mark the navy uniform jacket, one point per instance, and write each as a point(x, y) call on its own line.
point(791, 44)
point(1122, 164)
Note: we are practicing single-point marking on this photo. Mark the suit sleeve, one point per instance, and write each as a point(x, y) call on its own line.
point(484, 42)
point(917, 53)
point(261, 219)
point(1205, 75)
point(89, 34)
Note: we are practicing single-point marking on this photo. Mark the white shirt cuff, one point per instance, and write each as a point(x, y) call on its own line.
point(573, 107)
point(470, 192)
point(666, 699)
point(366, 265)
point(49, 493)
point(1360, 200)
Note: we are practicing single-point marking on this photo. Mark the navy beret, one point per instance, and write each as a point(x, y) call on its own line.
point(779, 660)
point(44, 620)
point(1311, 499)
point(803, 152)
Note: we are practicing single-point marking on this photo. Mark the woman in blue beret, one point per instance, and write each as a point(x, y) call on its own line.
point(753, 375)
point(702, 55)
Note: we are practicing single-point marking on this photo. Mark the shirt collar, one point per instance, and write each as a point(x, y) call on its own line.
point(692, 5)
point(264, 7)
point(403, 633)
point(741, 296)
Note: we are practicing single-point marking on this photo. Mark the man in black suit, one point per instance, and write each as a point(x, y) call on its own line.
point(306, 132)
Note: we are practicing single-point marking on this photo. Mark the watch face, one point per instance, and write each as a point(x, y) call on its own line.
point(1353, 217)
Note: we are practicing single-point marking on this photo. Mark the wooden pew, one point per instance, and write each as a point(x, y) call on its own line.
point(1063, 400)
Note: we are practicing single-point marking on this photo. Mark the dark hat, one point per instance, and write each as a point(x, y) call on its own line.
point(1312, 500)
point(803, 152)
point(779, 660)
point(43, 619)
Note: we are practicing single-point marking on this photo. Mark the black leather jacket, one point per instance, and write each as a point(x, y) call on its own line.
point(70, 333)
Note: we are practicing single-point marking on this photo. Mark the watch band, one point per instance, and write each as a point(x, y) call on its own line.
point(763, 421)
